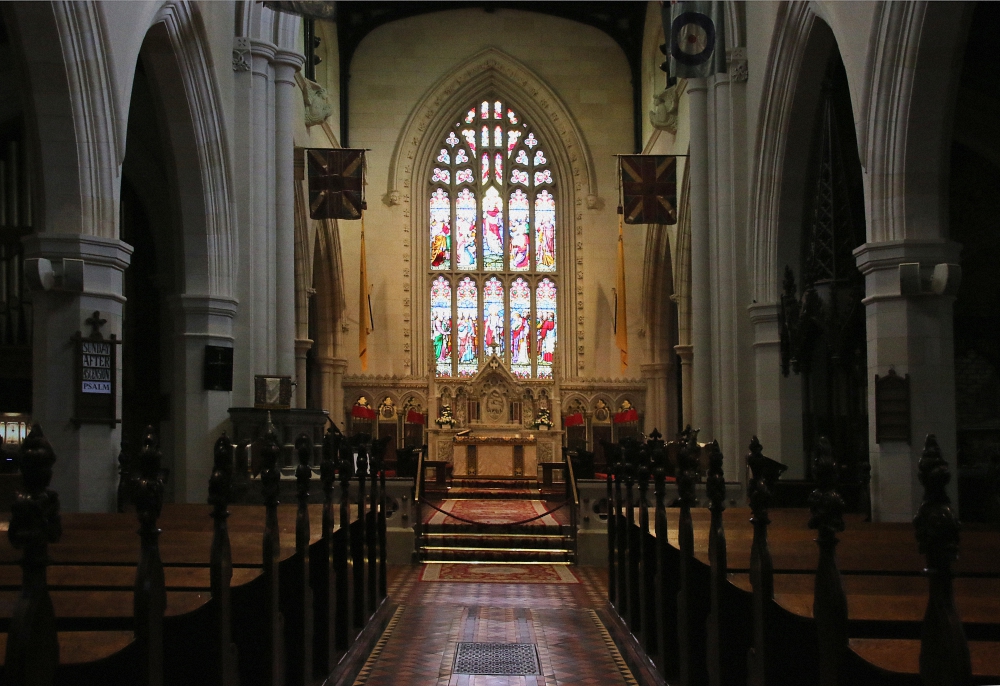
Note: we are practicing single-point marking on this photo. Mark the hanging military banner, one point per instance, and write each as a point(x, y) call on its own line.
point(649, 188)
point(336, 183)
point(695, 30)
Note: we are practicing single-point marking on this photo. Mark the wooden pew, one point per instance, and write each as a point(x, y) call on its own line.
point(885, 590)
point(94, 569)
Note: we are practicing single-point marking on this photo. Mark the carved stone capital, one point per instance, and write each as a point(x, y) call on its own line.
point(736, 60)
point(241, 50)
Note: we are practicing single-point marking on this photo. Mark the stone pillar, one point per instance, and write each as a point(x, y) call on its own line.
point(286, 63)
point(86, 474)
point(332, 370)
point(302, 348)
point(777, 399)
point(725, 344)
point(701, 268)
point(198, 416)
point(909, 329)
point(658, 402)
point(685, 353)
point(260, 247)
point(245, 284)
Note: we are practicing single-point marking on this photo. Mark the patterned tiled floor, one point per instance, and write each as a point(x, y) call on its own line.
point(420, 644)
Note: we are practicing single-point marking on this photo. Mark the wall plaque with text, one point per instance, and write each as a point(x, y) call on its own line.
point(892, 407)
point(96, 362)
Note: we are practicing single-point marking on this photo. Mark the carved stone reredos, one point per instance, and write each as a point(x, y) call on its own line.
point(494, 386)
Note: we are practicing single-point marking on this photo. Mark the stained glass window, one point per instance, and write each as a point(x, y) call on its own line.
point(492, 230)
point(493, 318)
point(440, 230)
point(441, 325)
point(500, 280)
point(545, 232)
point(520, 328)
point(467, 340)
point(545, 326)
point(465, 220)
point(519, 248)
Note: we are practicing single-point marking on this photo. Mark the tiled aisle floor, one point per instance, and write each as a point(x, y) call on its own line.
point(434, 617)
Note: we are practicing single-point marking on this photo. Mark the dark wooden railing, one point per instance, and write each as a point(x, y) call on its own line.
point(288, 622)
point(573, 498)
point(698, 627)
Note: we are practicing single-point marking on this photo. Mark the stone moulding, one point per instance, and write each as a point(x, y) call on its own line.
point(100, 139)
point(486, 74)
point(490, 61)
point(187, 37)
point(793, 25)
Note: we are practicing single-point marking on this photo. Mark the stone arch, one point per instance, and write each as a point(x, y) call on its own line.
point(463, 84)
point(803, 42)
point(81, 123)
point(490, 72)
point(793, 26)
point(909, 98)
point(200, 154)
point(570, 399)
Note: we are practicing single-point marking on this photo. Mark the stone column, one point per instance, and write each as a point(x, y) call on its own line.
point(286, 63)
point(199, 416)
point(302, 348)
point(243, 226)
point(657, 399)
point(260, 327)
point(701, 268)
point(777, 399)
point(86, 474)
point(909, 329)
point(331, 372)
point(685, 353)
point(725, 343)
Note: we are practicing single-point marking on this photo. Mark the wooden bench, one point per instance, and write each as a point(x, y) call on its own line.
point(881, 567)
point(92, 585)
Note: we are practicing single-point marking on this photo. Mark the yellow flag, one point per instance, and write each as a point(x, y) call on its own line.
point(364, 304)
point(621, 323)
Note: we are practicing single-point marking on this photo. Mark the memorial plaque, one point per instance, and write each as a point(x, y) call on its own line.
point(892, 407)
point(96, 367)
point(218, 368)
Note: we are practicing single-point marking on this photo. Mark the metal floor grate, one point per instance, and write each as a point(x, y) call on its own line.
point(507, 659)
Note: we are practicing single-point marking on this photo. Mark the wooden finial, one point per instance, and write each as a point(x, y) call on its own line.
point(221, 482)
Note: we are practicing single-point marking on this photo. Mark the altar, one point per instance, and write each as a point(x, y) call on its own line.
point(499, 456)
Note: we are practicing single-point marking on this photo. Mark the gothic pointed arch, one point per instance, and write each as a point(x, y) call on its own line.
point(210, 229)
point(793, 26)
point(491, 75)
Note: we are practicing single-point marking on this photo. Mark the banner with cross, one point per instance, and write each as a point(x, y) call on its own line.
point(649, 188)
point(336, 183)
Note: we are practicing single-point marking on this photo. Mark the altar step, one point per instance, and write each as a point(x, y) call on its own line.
point(458, 545)
point(509, 483)
point(503, 528)
point(487, 493)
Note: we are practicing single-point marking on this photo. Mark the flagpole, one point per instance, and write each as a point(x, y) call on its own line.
point(621, 322)
point(364, 311)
